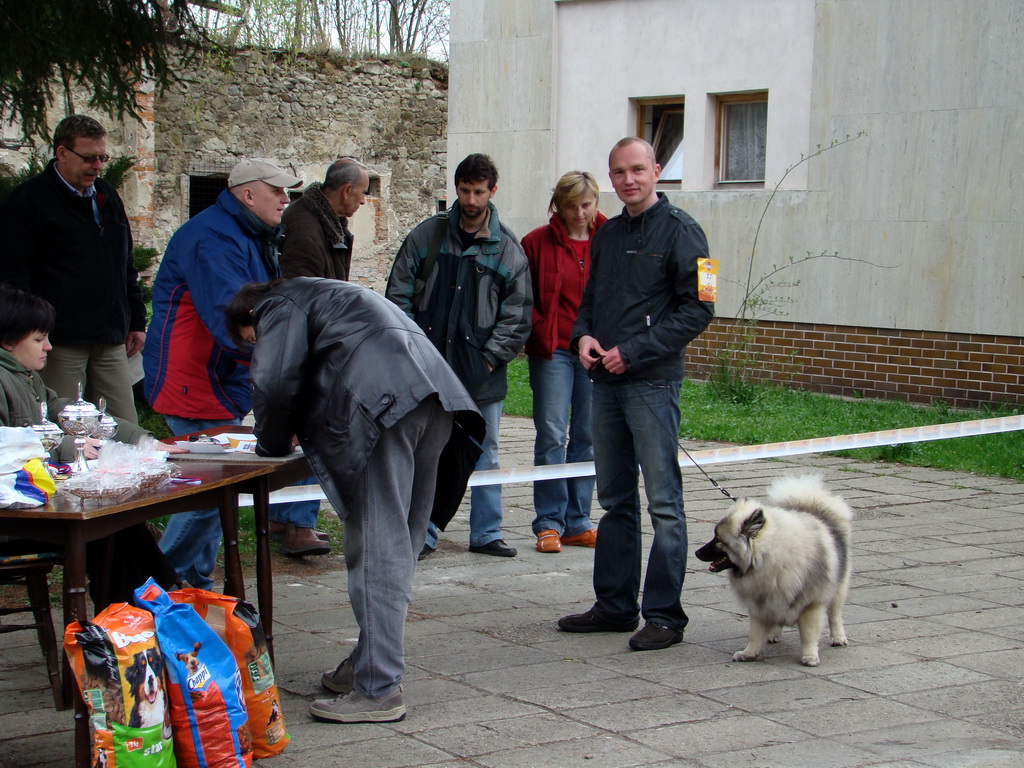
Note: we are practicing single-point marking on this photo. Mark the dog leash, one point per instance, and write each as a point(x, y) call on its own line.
point(665, 426)
point(698, 466)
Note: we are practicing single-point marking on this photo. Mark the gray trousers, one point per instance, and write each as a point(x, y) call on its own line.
point(384, 532)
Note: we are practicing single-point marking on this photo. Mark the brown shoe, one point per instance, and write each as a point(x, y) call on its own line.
point(302, 541)
point(585, 539)
point(278, 530)
point(547, 541)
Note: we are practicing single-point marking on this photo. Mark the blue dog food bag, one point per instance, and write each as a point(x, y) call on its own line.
point(208, 715)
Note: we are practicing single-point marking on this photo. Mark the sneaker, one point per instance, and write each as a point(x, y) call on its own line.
point(498, 548)
point(427, 551)
point(654, 637)
point(341, 679)
point(302, 541)
point(547, 541)
point(587, 622)
point(353, 707)
point(585, 539)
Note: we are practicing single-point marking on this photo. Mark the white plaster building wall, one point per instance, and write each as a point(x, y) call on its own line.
point(924, 211)
point(501, 61)
point(613, 51)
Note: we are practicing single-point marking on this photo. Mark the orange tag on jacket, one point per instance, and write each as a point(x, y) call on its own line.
point(707, 279)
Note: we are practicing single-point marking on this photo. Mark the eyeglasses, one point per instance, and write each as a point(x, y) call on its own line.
point(89, 159)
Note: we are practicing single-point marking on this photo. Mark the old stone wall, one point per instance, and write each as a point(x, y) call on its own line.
point(301, 111)
point(304, 112)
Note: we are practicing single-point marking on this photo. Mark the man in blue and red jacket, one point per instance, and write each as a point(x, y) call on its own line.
point(195, 376)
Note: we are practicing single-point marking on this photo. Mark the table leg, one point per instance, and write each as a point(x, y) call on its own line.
point(75, 610)
point(264, 574)
point(234, 584)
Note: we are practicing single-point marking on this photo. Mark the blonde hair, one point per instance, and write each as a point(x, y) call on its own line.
point(573, 186)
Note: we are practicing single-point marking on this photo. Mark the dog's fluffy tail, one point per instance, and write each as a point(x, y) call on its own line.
point(807, 492)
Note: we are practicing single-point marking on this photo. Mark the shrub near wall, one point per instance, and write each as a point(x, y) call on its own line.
point(962, 370)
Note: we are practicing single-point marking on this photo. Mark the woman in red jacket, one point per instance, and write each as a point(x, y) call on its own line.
point(559, 255)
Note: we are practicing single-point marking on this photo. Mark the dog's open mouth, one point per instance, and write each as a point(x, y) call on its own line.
point(722, 564)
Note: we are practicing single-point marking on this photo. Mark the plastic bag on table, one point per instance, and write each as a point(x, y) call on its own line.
point(24, 480)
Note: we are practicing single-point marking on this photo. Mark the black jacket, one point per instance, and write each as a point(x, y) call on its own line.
point(336, 364)
point(642, 293)
point(55, 249)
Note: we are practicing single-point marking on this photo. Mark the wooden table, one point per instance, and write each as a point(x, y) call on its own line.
point(73, 523)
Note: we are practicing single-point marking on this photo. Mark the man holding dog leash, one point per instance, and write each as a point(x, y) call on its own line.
point(644, 281)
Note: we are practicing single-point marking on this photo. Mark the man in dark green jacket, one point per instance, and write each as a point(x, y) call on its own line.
point(465, 280)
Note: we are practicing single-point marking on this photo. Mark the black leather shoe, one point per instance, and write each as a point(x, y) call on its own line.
point(654, 637)
point(425, 552)
point(498, 548)
point(587, 622)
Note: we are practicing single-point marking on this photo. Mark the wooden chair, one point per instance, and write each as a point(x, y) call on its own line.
point(29, 563)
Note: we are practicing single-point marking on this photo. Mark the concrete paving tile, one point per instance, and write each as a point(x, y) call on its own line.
point(642, 714)
point(971, 699)
point(336, 751)
point(467, 604)
point(1001, 594)
point(423, 689)
point(852, 715)
point(952, 645)
point(1012, 722)
point(988, 619)
point(802, 754)
point(918, 676)
point(780, 695)
point(507, 658)
point(724, 675)
point(974, 758)
point(479, 710)
point(604, 751)
point(483, 738)
point(40, 751)
point(1008, 662)
point(924, 741)
point(885, 593)
point(939, 605)
point(717, 736)
point(519, 678)
point(612, 690)
point(451, 644)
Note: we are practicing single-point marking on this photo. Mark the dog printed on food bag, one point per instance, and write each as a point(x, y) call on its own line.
point(789, 563)
point(146, 680)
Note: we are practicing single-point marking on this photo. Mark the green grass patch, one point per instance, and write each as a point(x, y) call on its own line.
point(777, 415)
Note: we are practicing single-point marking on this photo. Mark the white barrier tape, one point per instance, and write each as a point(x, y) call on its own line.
point(716, 455)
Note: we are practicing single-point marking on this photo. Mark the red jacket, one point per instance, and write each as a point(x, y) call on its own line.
point(543, 246)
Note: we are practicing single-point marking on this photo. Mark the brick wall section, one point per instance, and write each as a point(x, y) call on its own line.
point(962, 370)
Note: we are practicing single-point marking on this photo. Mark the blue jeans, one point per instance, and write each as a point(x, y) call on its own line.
point(561, 417)
point(384, 532)
point(191, 540)
point(636, 423)
point(485, 501)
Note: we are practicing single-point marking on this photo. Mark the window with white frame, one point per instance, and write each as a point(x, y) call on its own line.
point(742, 137)
point(660, 122)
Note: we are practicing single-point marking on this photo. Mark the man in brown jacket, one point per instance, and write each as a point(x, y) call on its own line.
point(317, 242)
